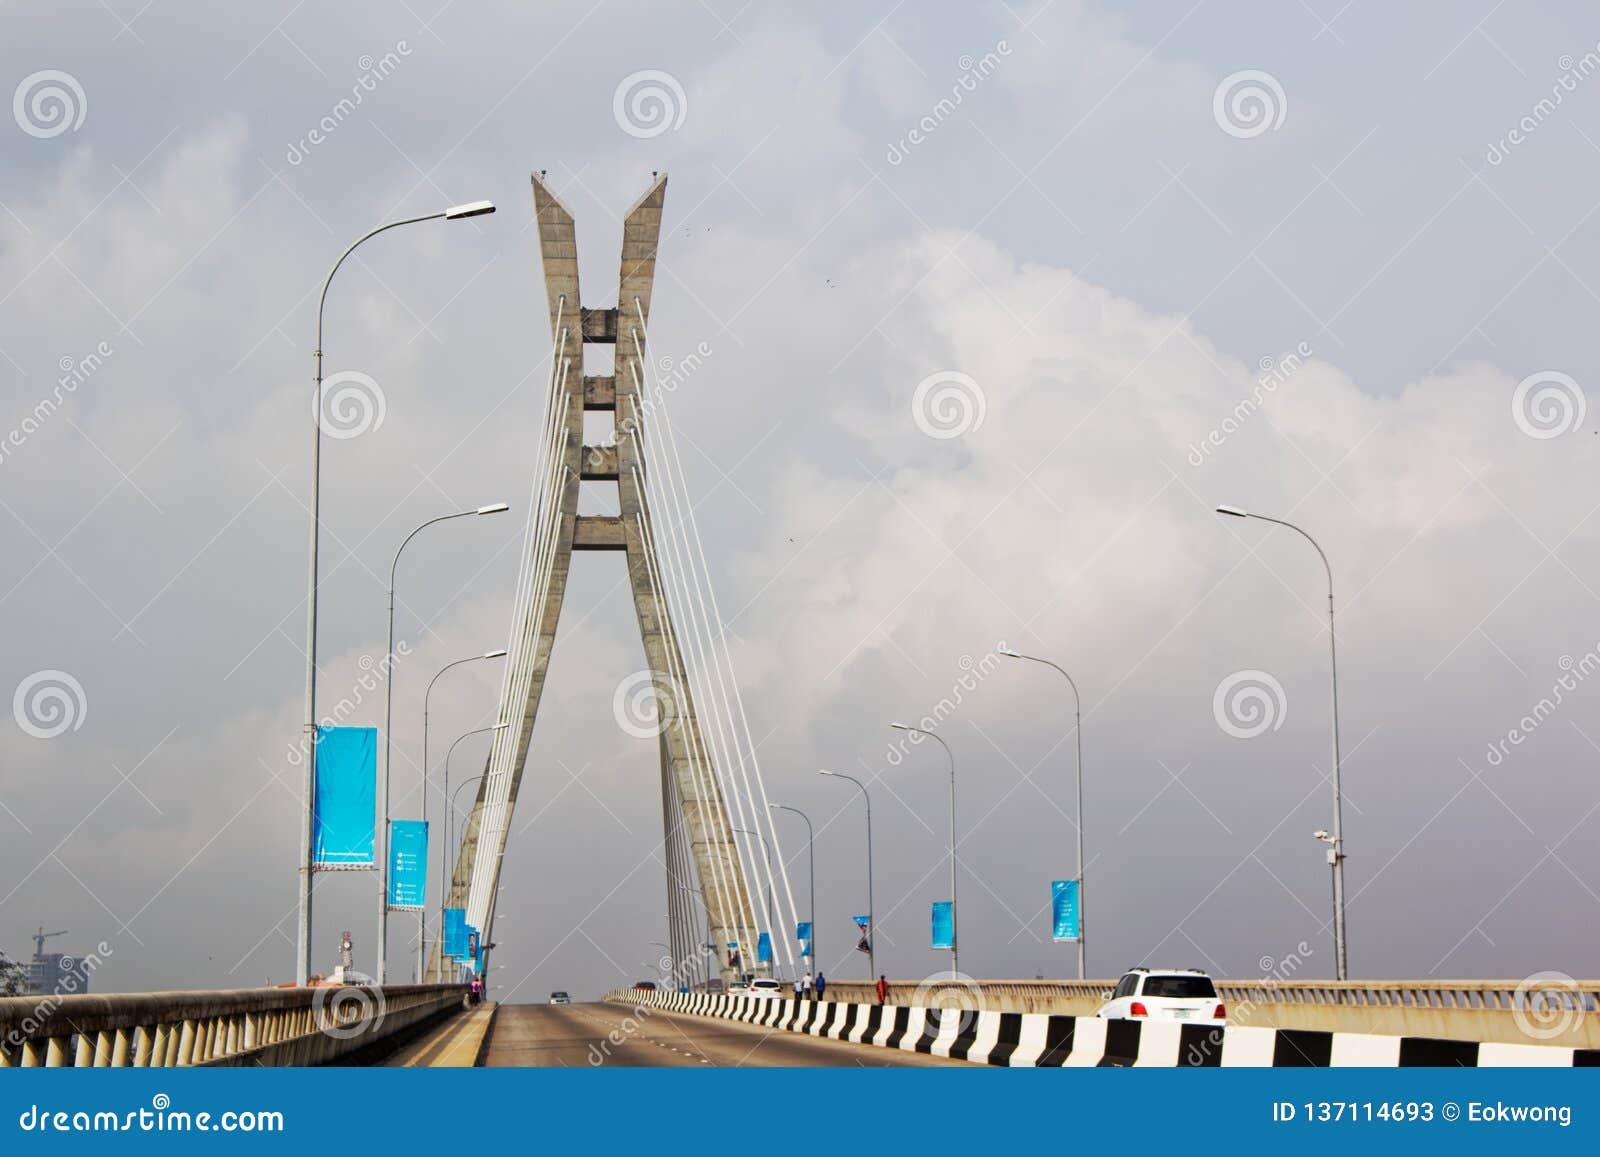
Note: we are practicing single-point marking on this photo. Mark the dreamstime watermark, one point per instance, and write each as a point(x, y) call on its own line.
point(648, 103)
point(1249, 703)
point(1274, 972)
point(645, 703)
point(373, 73)
point(160, 1117)
point(49, 703)
point(948, 404)
point(49, 103)
point(74, 373)
point(973, 72)
point(76, 973)
point(1547, 1005)
point(351, 404)
point(1573, 673)
point(346, 1011)
point(1274, 373)
point(1548, 404)
point(670, 374)
point(374, 674)
point(1249, 103)
point(600, 1051)
point(1573, 72)
point(948, 995)
point(973, 673)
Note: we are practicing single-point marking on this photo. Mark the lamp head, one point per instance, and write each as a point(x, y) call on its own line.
point(497, 508)
point(471, 209)
point(1008, 652)
point(902, 727)
point(1233, 512)
point(500, 654)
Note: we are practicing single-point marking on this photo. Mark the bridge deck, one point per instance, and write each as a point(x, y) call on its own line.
point(598, 1035)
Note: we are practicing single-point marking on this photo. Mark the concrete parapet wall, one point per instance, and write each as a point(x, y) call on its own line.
point(1033, 1040)
point(249, 1026)
point(1563, 1013)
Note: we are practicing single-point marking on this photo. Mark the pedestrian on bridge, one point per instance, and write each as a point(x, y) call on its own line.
point(822, 984)
point(808, 985)
point(797, 989)
point(883, 990)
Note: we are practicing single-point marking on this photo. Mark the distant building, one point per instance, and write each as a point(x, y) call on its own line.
point(56, 973)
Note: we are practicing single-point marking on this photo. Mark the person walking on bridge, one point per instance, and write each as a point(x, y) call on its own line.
point(797, 989)
point(883, 990)
point(822, 984)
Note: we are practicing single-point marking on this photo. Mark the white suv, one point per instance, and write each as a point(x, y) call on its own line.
point(765, 989)
point(1165, 994)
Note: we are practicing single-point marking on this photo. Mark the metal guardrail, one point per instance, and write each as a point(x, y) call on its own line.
point(247, 1026)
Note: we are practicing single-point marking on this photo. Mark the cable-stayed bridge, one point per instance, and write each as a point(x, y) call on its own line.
point(730, 909)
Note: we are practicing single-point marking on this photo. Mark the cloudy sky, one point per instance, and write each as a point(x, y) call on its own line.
point(1334, 262)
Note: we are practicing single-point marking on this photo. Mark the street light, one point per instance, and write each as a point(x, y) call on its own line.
point(422, 916)
point(811, 858)
point(872, 919)
point(444, 879)
point(302, 964)
point(1334, 840)
point(1077, 727)
point(766, 887)
point(955, 938)
point(388, 718)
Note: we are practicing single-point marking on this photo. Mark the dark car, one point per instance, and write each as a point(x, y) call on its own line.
point(645, 986)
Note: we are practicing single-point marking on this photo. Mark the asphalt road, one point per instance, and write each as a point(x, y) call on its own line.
point(598, 1035)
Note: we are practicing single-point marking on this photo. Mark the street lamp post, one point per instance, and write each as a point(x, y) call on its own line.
point(444, 879)
point(766, 887)
point(388, 724)
point(955, 937)
point(302, 964)
point(1077, 727)
point(811, 860)
point(872, 917)
point(422, 917)
point(1335, 839)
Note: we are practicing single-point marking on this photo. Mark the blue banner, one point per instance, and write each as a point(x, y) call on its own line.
point(862, 921)
point(455, 932)
point(408, 864)
point(346, 809)
point(764, 948)
point(1064, 909)
point(944, 924)
point(802, 933)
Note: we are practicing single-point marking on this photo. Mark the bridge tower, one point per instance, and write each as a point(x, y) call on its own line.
point(695, 814)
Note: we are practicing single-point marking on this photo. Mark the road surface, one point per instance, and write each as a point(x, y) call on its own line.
point(598, 1035)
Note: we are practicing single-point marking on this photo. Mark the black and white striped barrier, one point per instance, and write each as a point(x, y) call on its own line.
point(1028, 1039)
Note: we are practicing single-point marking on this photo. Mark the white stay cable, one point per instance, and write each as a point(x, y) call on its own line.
point(764, 812)
point(526, 620)
point(714, 684)
point(713, 723)
point(701, 768)
point(525, 572)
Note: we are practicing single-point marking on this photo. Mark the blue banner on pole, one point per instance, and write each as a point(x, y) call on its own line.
point(944, 924)
point(1064, 909)
point(408, 864)
point(764, 948)
point(862, 921)
point(346, 808)
point(455, 932)
point(802, 933)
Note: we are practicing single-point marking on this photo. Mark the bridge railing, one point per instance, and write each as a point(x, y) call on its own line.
point(248, 1026)
point(1554, 1010)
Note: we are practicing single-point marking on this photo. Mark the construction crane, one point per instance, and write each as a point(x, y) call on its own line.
point(40, 937)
